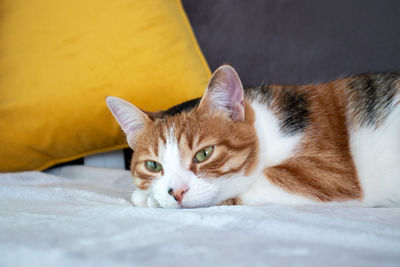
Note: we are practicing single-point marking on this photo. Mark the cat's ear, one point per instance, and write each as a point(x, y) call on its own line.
point(224, 93)
point(130, 118)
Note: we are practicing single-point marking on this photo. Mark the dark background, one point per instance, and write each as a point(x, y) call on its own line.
point(297, 42)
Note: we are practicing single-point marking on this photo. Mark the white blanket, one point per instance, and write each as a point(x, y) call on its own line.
point(81, 216)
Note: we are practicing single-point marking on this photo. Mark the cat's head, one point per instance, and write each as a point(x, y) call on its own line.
point(194, 158)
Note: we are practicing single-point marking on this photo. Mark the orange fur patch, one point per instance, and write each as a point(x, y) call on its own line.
point(322, 167)
point(235, 143)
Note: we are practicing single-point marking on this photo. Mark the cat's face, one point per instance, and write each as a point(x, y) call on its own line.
point(195, 158)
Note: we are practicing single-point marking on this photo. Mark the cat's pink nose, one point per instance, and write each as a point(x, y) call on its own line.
point(178, 193)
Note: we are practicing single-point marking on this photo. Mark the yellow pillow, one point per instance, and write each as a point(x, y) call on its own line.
point(60, 59)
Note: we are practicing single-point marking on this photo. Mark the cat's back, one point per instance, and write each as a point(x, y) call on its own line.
point(345, 133)
point(373, 112)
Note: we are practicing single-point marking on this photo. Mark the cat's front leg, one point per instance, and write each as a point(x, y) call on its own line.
point(144, 198)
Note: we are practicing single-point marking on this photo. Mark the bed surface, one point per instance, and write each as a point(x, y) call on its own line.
point(81, 216)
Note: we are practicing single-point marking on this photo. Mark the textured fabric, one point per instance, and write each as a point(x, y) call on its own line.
point(81, 216)
point(59, 60)
point(291, 42)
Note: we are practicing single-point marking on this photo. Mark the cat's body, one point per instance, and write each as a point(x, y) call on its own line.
point(326, 143)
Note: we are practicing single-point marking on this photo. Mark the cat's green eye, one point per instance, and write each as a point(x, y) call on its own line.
point(153, 166)
point(203, 154)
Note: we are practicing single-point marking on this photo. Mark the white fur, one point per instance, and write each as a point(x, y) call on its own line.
point(262, 191)
point(274, 148)
point(201, 191)
point(143, 198)
point(376, 154)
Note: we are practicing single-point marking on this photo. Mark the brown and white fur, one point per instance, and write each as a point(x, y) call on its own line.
point(335, 142)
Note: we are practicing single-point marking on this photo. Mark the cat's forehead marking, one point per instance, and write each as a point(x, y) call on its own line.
point(169, 152)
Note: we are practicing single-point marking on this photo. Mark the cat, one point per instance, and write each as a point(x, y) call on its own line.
point(337, 142)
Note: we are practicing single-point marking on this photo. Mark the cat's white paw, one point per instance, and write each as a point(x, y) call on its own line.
point(143, 198)
point(152, 202)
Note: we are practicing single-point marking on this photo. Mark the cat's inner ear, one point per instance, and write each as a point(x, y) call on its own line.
point(130, 118)
point(224, 93)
